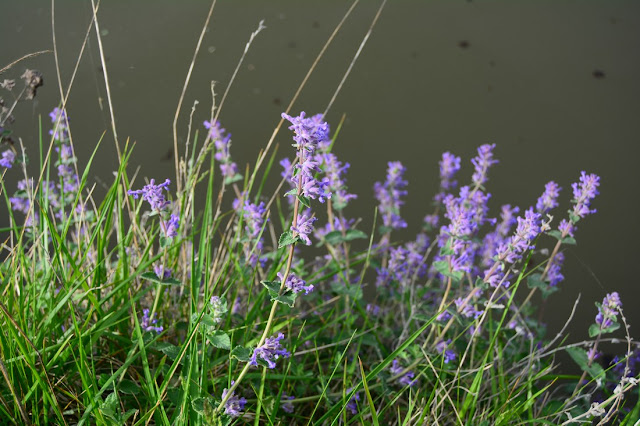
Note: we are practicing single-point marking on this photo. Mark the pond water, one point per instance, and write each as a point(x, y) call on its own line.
point(555, 86)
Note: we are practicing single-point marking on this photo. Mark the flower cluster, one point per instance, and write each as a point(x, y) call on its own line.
point(352, 405)
point(449, 166)
point(218, 308)
point(270, 351)
point(154, 195)
point(148, 324)
point(389, 194)
point(222, 141)
point(608, 311)
point(482, 162)
point(234, 405)
point(296, 284)
point(448, 354)
point(549, 199)
point(285, 403)
point(8, 157)
point(406, 379)
point(253, 217)
point(584, 192)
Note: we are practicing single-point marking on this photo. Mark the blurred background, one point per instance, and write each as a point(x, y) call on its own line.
point(554, 84)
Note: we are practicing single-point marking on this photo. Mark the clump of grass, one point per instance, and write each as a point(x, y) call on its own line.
point(136, 308)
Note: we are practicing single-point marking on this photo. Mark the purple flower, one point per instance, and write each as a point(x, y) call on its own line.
point(583, 193)
point(296, 284)
point(253, 218)
point(285, 403)
point(389, 196)
point(554, 275)
point(373, 309)
point(62, 131)
point(466, 309)
point(222, 142)
point(566, 228)
point(406, 379)
point(171, 226)
point(152, 193)
point(335, 180)
point(234, 405)
point(270, 351)
point(449, 166)
point(8, 157)
point(549, 199)
point(161, 272)
point(448, 354)
point(494, 239)
point(608, 311)
point(309, 132)
point(352, 405)
point(304, 227)
point(149, 325)
point(482, 162)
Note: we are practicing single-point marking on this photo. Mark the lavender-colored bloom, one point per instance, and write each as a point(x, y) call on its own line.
point(431, 221)
point(373, 309)
point(171, 226)
point(218, 308)
point(222, 141)
point(270, 351)
point(593, 354)
point(234, 405)
point(406, 379)
point(583, 193)
point(285, 403)
point(336, 185)
point(62, 131)
point(549, 199)
point(608, 311)
point(304, 227)
point(309, 132)
point(443, 316)
point(8, 157)
point(161, 272)
point(449, 166)
point(496, 238)
point(152, 193)
point(442, 348)
point(352, 405)
point(467, 309)
point(296, 284)
point(566, 228)
point(482, 162)
point(528, 228)
point(389, 195)
point(253, 218)
point(148, 324)
point(554, 274)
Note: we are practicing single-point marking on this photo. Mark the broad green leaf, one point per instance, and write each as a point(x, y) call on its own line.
point(287, 239)
point(241, 353)
point(336, 237)
point(219, 339)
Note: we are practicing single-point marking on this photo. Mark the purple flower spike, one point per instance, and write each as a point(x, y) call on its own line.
point(8, 157)
point(270, 351)
point(309, 132)
point(406, 379)
point(304, 227)
point(554, 274)
point(161, 272)
point(285, 403)
point(482, 162)
point(448, 354)
point(352, 405)
point(583, 193)
point(149, 325)
point(389, 195)
point(152, 193)
point(296, 284)
point(449, 166)
point(548, 200)
point(608, 311)
point(234, 405)
point(171, 226)
point(62, 132)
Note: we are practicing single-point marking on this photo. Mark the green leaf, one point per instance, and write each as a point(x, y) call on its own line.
point(171, 351)
point(294, 191)
point(336, 237)
point(581, 358)
point(353, 291)
point(447, 250)
point(201, 405)
point(442, 266)
point(569, 240)
point(305, 201)
point(535, 281)
point(232, 179)
point(595, 329)
point(219, 339)
point(206, 320)
point(129, 387)
point(287, 239)
point(272, 286)
point(288, 298)
point(555, 234)
point(241, 353)
point(155, 279)
point(165, 242)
